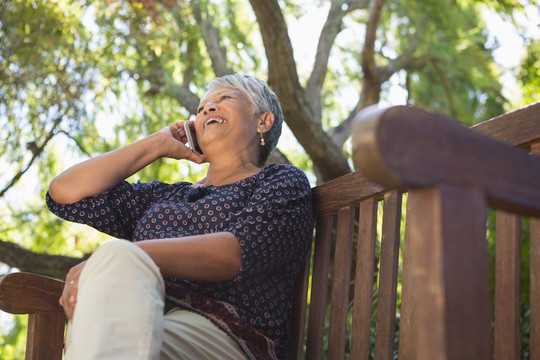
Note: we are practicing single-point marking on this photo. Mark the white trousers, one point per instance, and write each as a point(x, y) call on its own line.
point(119, 314)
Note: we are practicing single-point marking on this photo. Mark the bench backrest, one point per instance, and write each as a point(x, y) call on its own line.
point(439, 260)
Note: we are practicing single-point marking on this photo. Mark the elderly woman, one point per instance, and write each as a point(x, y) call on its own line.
point(210, 267)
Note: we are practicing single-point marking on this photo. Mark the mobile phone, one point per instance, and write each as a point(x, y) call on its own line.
point(192, 137)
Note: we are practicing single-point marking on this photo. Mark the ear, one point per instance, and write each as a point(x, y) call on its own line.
point(265, 122)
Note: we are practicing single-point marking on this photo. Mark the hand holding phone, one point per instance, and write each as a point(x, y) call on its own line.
point(192, 137)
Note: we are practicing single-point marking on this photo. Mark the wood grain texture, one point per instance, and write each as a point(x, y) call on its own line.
point(534, 340)
point(363, 285)
point(36, 295)
point(385, 329)
point(407, 326)
point(517, 128)
point(341, 276)
point(319, 287)
point(25, 293)
point(450, 273)
point(347, 190)
point(507, 287)
point(298, 316)
point(407, 147)
point(45, 336)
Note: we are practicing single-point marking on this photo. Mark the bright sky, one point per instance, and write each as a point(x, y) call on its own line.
point(512, 47)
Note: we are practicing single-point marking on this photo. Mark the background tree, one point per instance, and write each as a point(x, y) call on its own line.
point(80, 77)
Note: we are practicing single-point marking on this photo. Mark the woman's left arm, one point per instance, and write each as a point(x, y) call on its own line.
point(208, 257)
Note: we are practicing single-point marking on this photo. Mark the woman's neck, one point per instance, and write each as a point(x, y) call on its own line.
point(221, 175)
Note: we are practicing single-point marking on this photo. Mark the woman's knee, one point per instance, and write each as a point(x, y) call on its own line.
point(121, 253)
point(116, 247)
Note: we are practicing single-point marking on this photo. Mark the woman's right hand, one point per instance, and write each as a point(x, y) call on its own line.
point(175, 146)
point(68, 300)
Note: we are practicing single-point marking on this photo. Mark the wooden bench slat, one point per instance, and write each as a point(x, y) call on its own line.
point(534, 333)
point(507, 286)
point(516, 128)
point(534, 340)
point(388, 276)
point(319, 287)
point(448, 243)
point(298, 316)
point(45, 335)
point(407, 331)
point(363, 281)
point(341, 276)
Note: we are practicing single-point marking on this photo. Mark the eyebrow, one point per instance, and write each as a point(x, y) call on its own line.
point(216, 94)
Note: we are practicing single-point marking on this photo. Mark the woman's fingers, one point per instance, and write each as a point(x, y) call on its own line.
point(68, 300)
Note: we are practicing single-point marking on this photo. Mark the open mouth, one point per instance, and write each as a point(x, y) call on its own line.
point(213, 120)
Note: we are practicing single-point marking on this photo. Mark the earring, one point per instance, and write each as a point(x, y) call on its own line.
point(262, 140)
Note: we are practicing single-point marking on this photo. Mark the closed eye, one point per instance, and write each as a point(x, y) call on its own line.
point(221, 98)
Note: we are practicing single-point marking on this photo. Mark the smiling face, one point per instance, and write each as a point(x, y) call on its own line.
point(225, 121)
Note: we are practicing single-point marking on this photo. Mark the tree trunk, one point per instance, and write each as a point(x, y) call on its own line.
point(328, 160)
point(55, 266)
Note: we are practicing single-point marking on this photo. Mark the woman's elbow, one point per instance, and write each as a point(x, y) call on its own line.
point(58, 192)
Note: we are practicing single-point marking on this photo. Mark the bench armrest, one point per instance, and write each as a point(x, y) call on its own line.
point(26, 293)
point(406, 147)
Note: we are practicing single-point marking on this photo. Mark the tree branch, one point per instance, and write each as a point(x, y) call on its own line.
point(371, 87)
point(331, 28)
point(159, 81)
point(211, 37)
point(356, 4)
point(328, 160)
point(36, 152)
point(341, 133)
point(277, 157)
point(446, 88)
point(55, 266)
point(184, 96)
point(404, 60)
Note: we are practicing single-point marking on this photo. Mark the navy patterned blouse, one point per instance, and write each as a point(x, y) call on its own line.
point(270, 213)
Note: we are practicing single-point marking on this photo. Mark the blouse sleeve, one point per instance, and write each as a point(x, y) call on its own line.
point(276, 226)
point(114, 212)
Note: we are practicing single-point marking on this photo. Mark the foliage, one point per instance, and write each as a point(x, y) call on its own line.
point(529, 73)
point(12, 346)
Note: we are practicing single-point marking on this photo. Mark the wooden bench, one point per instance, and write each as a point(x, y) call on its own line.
point(364, 263)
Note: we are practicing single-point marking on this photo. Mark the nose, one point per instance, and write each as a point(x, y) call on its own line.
point(210, 107)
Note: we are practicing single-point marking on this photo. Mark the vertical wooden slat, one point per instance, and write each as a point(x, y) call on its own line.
point(407, 328)
point(386, 304)
point(450, 273)
point(363, 281)
point(507, 286)
point(45, 335)
point(298, 316)
point(534, 341)
point(341, 276)
point(319, 287)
